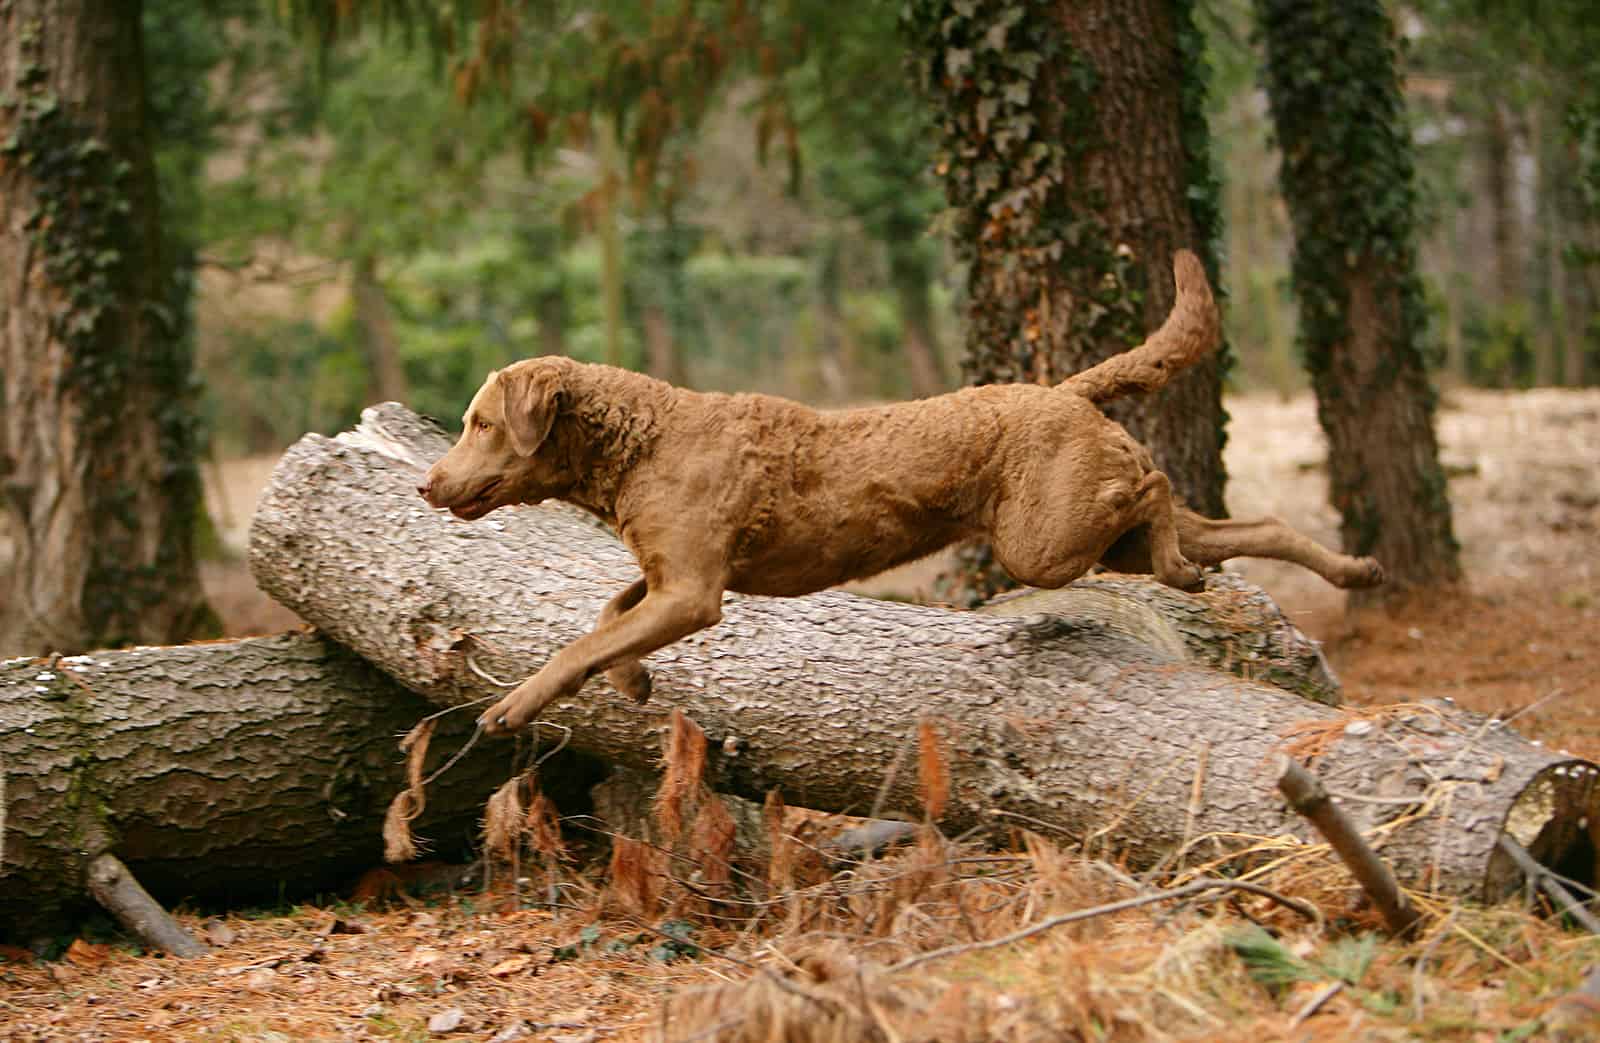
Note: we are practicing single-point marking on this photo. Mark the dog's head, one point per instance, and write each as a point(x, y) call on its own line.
point(498, 459)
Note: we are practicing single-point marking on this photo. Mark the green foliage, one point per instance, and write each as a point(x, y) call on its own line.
point(1272, 964)
point(1016, 108)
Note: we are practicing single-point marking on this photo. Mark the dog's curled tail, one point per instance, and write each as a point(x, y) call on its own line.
point(1191, 332)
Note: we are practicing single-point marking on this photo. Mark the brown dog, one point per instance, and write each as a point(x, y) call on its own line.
point(761, 495)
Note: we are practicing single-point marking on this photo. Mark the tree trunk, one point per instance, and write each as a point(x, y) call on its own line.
point(1073, 153)
point(1347, 177)
point(609, 216)
point(664, 360)
point(99, 490)
point(386, 372)
point(1072, 723)
point(225, 772)
point(834, 363)
point(911, 274)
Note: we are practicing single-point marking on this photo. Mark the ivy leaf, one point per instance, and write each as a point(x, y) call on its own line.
point(987, 107)
point(957, 61)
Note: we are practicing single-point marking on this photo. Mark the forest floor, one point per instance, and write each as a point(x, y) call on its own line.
point(481, 965)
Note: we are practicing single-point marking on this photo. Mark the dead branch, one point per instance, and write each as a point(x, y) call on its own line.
point(1307, 796)
point(115, 888)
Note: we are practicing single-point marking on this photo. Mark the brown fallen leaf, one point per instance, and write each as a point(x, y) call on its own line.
point(510, 966)
point(15, 954)
point(421, 958)
point(87, 954)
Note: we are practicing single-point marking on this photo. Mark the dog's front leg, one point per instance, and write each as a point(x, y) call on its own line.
point(666, 613)
point(629, 676)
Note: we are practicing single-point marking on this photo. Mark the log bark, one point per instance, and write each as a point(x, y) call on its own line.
point(219, 773)
point(1044, 719)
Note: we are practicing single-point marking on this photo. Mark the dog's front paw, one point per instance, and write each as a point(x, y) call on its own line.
point(519, 709)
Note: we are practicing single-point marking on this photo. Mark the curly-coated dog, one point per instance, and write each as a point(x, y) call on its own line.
point(757, 494)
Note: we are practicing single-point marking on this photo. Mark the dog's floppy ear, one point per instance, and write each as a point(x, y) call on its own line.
point(532, 394)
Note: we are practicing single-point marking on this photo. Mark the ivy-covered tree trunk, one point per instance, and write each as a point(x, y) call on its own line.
point(1073, 150)
point(98, 486)
point(1348, 180)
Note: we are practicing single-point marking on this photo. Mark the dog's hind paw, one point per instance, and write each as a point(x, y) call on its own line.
point(1185, 576)
point(1363, 572)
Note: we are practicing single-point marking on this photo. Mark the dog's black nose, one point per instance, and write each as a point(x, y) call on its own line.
point(424, 487)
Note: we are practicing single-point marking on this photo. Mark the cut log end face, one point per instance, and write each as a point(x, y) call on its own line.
point(1556, 818)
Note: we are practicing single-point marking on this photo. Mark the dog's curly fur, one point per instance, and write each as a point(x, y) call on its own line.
point(761, 495)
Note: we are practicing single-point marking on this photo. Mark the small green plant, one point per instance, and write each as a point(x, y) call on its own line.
point(1271, 963)
point(677, 945)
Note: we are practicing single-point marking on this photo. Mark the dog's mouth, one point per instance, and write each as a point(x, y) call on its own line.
point(480, 504)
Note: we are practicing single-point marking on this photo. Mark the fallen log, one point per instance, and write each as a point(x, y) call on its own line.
point(218, 773)
point(1059, 723)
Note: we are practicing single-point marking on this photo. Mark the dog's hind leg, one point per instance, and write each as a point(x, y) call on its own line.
point(1153, 506)
point(1043, 555)
point(628, 677)
point(1212, 542)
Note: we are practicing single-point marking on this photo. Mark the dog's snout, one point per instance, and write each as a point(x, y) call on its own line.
point(425, 488)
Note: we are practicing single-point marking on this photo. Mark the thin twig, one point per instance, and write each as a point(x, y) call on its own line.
point(566, 737)
point(1546, 883)
point(1419, 975)
point(472, 740)
point(890, 777)
point(1188, 890)
point(1315, 1003)
point(472, 664)
point(1306, 795)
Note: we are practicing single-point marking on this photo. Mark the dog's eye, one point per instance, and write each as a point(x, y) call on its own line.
point(483, 425)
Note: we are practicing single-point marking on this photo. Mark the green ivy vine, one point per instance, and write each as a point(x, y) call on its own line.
point(1350, 184)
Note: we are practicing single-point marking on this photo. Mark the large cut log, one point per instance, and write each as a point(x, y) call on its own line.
point(220, 773)
point(1084, 728)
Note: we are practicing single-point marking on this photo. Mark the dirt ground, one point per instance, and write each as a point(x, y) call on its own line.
point(1526, 490)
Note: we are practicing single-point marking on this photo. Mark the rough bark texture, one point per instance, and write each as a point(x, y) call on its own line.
point(1070, 724)
point(1232, 626)
point(1348, 180)
point(218, 772)
point(98, 486)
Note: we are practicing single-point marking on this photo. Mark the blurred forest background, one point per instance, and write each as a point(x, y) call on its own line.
point(363, 226)
point(378, 200)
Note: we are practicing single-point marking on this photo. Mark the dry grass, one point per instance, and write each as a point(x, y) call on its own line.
point(818, 962)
